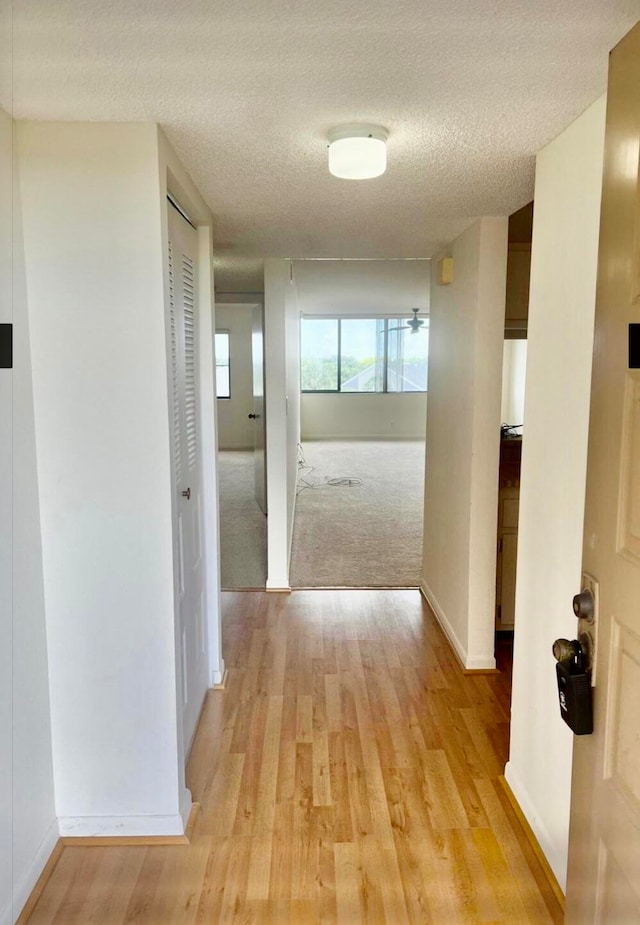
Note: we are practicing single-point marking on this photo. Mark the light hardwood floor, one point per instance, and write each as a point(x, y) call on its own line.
point(348, 773)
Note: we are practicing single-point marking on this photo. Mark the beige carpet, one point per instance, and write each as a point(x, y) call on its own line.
point(243, 526)
point(367, 535)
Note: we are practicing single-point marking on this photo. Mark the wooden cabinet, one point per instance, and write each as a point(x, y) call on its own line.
point(508, 506)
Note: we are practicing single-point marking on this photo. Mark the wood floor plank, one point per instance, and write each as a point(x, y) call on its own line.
point(219, 800)
point(268, 778)
point(348, 773)
point(348, 883)
point(259, 875)
point(304, 718)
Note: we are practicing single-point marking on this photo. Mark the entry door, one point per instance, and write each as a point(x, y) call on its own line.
point(183, 288)
point(258, 415)
point(604, 851)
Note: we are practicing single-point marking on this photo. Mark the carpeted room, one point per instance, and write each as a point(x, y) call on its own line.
point(363, 341)
point(359, 514)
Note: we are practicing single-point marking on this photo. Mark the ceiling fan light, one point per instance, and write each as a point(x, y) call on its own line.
point(357, 152)
point(415, 323)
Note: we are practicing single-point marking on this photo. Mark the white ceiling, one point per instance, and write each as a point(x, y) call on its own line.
point(246, 91)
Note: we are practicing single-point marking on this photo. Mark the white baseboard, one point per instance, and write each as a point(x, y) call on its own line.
point(352, 437)
point(186, 803)
point(119, 826)
point(28, 878)
point(217, 674)
point(556, 855)
point(279, 583)
point(470, 662)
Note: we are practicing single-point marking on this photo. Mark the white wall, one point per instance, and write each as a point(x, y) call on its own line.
point(463, 436)
point(367, 415)
point(554, 453)
point(370, 288)
point(282, 382)
point(26, 769)
point(94, 237)
point(7, 310)
point(235, 430)
point(362, 287)
point(514, 377)
point(292, 352)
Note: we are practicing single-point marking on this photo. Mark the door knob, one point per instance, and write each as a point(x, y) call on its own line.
point(584, 606)
point(187, 494)
point(566, 650)
point(253, 417)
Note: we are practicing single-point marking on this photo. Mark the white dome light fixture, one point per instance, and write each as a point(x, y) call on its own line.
point(358, 152)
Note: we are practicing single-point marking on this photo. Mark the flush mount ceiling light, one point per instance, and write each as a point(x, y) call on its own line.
point(357, 152)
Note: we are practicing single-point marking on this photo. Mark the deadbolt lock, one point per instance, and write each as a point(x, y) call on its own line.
point(584, 606)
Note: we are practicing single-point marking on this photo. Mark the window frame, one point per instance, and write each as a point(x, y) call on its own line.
point(385, 357)
point(228, 365)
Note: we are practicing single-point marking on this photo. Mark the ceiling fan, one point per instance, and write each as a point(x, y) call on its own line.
point(414, 323)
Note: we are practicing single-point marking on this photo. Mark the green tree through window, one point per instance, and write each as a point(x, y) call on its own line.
point(362, 355)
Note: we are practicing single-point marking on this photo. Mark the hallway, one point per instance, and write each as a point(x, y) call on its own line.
point(349, 773)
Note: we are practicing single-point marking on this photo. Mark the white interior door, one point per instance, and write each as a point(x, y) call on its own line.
point(258, 415)
point(183, 288)
point(604, 848)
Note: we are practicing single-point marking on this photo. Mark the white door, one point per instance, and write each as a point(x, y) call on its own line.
point(258, 414)
point(604, 845)
point(183, 288)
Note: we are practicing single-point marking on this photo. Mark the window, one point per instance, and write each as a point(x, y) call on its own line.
point(223, 370)
point(319, 349)
point(363, 355)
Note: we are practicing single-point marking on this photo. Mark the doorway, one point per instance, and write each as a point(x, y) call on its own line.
point(359, 507)
point(241, 444)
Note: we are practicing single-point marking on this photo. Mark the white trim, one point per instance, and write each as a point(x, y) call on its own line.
point(471, 663)
point(447, 629)
point(209, 456)
point(112, 826)
point(24, 887)
point(186, 802)
point(350, 438)
point(217, 675)
point(357, 316)
point(480, 663)
point(244, 446)
point(278, 584)
point(555, 858)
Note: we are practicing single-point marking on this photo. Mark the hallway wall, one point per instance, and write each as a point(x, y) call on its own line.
point(463, 438)
point(554, 453)
point(94, 266)
point(28, 826)
point(282, 389)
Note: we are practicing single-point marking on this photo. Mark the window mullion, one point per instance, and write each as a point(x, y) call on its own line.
point(385, 380)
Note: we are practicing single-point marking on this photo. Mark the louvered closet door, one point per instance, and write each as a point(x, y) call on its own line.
point(183, 252)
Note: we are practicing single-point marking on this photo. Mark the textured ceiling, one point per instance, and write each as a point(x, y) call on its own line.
point(246, 91)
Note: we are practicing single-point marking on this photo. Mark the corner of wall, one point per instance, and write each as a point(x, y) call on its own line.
point(461, 491)
point(554, 452)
